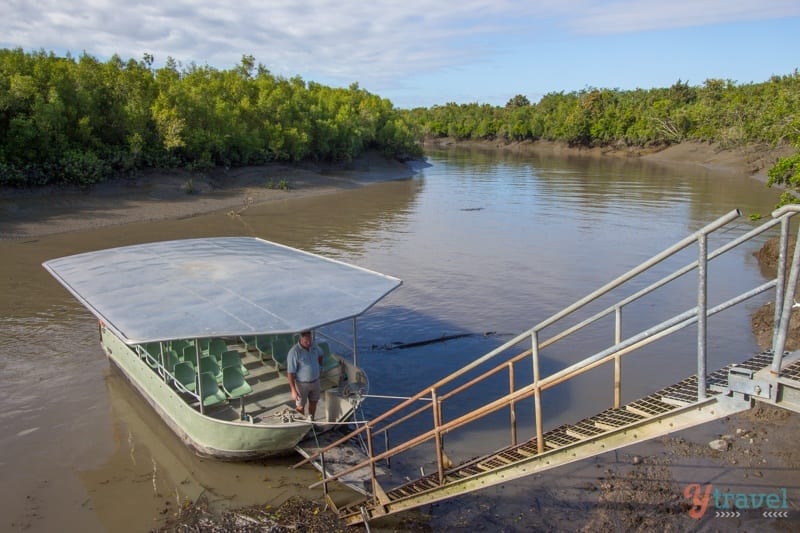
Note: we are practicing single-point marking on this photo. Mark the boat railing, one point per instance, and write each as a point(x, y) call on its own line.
point(450, 408)
point(157, 364)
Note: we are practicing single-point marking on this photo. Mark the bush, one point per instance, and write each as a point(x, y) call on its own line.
point(79, 167)
point(12, 176)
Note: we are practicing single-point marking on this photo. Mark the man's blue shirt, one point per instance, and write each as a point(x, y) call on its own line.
point(304, 364)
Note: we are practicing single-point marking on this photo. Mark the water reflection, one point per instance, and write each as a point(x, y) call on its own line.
point(484, 242)
point(152, 468)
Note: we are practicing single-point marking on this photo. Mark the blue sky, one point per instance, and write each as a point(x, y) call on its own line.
point(426, 52)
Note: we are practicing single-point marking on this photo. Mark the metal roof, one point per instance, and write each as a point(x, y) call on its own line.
point(216, 287)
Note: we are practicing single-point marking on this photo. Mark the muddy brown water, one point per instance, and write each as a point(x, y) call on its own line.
point(484, 242)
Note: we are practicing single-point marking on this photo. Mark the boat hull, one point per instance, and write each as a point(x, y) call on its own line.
point(205, 435)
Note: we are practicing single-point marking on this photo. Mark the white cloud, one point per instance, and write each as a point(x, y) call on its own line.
point(378, 43)
point(626, 16)
point(349, 39)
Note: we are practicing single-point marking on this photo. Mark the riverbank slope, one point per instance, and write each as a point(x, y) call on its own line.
point(171, 194)
point(160, 195)
point(751, 160)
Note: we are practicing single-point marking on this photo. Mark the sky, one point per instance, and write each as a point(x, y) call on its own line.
point(431, 52)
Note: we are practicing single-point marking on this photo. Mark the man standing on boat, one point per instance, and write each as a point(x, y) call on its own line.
point(303, 365)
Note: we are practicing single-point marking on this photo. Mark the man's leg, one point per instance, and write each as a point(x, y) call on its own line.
point(313, 398)
point(302, 393)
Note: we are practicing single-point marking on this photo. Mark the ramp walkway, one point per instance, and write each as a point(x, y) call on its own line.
point(446, 408)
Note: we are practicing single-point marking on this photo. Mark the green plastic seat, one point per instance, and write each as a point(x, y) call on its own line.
point(204, 344)
point(235, 386)
point(249, 342)
point(179, 345)
point(232, 358)
point(210, 391)
point(153, 348)
point(264, 347)
point(186, 376)
point(170, 360)
point(328, 361)
point(280, 349)
point(326, 349)
point(152, 353)
point(190, 355)
point(217, 347)
point(209, 365)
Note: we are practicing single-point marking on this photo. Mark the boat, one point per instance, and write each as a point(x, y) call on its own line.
point(201, 328)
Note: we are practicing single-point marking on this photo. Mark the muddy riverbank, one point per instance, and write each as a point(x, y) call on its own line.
point(160, 195)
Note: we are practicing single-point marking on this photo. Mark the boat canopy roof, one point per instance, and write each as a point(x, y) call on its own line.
point(216, 287)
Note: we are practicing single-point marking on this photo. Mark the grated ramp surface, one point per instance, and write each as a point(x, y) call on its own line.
point(677, 396)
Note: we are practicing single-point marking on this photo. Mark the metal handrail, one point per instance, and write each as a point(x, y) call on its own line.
point(620, 347)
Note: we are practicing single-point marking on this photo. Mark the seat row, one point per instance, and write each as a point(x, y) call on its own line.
point(218, 372)
point(216, 386)
point(178, 351)
point(214, 391)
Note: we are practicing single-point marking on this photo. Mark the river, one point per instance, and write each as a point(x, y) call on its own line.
point(483, 241)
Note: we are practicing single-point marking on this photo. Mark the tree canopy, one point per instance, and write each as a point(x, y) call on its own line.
point(79, 120)
point(717, 111)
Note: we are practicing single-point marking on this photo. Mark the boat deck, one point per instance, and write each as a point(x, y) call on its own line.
point(270, 396)
point(270, 401)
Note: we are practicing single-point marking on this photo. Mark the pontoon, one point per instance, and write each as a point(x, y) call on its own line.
point(201, 328)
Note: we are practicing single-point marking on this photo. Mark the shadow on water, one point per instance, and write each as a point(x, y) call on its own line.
point(152, 467)
point(53, 376)
point(436, 348)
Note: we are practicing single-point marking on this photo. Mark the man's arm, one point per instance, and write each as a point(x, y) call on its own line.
point(292, 387)
point(291, 372)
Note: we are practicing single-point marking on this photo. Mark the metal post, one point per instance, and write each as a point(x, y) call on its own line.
point(197, 379)
point(537, 392)
point(513, 404)
point(786, 313)
point(355, 342)
point(371, 454)
point(161, 359)
point(702, 317)
point(324, 476)
point(780, 278)
point(617, 381)
point(437, 422)
point(386, 444)
point(617, 358)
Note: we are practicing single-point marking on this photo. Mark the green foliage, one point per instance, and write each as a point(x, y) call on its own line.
point(78, 121)
point(282, 184)
point(718, 111)
point(786, 172)
point(519, 100)
point(84, 168)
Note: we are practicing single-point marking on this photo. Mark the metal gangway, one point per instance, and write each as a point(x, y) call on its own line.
point(772, 376)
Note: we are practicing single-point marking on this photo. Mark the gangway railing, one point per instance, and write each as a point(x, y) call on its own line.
point(446, 391)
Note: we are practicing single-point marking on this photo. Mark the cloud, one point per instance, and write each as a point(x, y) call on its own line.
point(379, 43)
point(626, 16)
